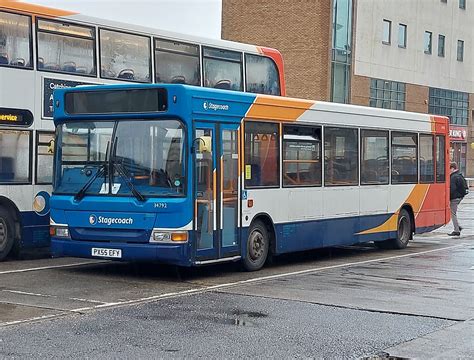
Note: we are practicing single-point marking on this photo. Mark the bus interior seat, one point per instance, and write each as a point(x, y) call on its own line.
point(81, 70)
point(18, 62)
point(3, 58)
point(178, 79)
point(126, 74)
point(69, 66)
point(222, 84)
point(52, 66)
point(6, 168)
point(40, 63)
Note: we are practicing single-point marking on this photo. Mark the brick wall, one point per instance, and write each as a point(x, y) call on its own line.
point(360, 90)
point(417, 97)
point(299, 29)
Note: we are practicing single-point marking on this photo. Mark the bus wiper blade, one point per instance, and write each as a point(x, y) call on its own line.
point(81, 193)
point(130, 185)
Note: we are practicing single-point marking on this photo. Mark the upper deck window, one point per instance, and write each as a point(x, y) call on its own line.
point(65, 47)
point(222, 69)
point(261, 75)
point(15, 40)
point(124, 56)
point(177, 63)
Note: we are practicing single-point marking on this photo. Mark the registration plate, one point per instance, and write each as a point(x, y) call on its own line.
point(109, 253)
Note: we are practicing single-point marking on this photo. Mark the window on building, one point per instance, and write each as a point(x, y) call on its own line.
point(341, 156)
point(340, 82)
point(222, 69)
point(441, 45)
point(428, 42)
point(404, 158)
point(15, 157)
point(386, 32)
point(177, 63)
point(262, 160)
point(65, 47)
point(44, 157)
point(462, 4)
point(302, 156)
point(261, 75)
point(453, 104)
point(124, 56)
point(387, 94)
point(440, 154)
point(460, 52)
point(374, 157)
point(402, 35)
point(15, 40)
point(427, 169)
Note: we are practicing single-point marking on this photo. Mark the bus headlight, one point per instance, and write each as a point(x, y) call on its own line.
point(59, 231)
point(159, 236)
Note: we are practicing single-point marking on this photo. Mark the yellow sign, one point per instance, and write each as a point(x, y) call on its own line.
point(8, 117)
point(248, 172)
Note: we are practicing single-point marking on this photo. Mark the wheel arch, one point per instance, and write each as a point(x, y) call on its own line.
point(266, 219)
point(410, 211)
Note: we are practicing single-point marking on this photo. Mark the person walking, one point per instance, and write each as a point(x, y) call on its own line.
point(456, 194)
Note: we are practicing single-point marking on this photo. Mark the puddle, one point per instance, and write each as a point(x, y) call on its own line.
point(383, 356)
point(244, 318)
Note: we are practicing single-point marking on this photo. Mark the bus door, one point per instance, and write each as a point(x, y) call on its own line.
point(216, 191)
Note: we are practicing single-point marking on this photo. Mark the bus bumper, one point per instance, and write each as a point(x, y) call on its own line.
point(169, 254)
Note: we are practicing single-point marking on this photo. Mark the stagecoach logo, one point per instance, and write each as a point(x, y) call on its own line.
point(207, 105)
point(93, 219)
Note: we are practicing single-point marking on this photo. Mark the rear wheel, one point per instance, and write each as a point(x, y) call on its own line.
point(404, 233)
point(258, 243)
point(6, 233)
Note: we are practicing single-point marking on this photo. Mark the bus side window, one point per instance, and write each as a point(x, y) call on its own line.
point(341, 156)
point(15, 40)
point(374, 157)
point(222, 69)
point(440, 154)
point(404, 158)
point(124, 56)
point(177, 63)
point(427, 169)
point(261, 75)
point(65, 47)
point(262, 151)
point(15, 157)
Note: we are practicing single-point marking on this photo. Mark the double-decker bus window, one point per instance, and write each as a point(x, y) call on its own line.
point(374, 157)
point(426, 158)
point(177, 62)
point(404, 158)
point(302, 156)
point(341, 156)
point(222, 69)
point(124, 56)
point(65, 47)
point(15, 40)
point(440, 155)
point(261, 75)
point(262, 151)
point(15, 146)
point(44, 157)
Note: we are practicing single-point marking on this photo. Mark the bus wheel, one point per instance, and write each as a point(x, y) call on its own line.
point(404, 233)
point(258, 243)
point(6, 233)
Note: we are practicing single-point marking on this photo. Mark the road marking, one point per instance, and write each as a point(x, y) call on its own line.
point(27, 293)
point(53, 267)
point(225, 285)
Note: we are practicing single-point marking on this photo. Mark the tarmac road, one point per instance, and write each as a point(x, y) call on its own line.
point(347, 303)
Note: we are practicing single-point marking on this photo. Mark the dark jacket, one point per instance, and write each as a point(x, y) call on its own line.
point(457, 186)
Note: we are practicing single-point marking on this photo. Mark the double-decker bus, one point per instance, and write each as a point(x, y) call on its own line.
point(192, 176)
point(42, 49)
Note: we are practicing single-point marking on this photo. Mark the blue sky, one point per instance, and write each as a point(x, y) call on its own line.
point(196, 17)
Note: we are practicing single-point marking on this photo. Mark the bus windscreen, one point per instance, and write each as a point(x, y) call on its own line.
point(116, 101)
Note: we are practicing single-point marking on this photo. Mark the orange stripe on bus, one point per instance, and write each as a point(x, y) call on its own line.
point(270, 108)
point(34, 9)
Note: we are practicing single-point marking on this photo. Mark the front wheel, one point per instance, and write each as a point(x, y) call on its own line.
point(404, 233)
point(258, 244)
point(6, 233)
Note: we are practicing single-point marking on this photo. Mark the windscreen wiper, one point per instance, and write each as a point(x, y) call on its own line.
point(101, 171)
point(123, 175)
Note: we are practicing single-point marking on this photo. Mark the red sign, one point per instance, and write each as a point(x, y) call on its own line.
point(457, 133)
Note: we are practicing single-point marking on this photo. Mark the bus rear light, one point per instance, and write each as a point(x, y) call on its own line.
point(56, 231)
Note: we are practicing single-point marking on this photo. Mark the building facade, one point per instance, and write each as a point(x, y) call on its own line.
point(413, 55)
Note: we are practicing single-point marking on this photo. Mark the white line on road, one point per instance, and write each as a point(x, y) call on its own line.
point(226, 285)
point(53, 267)
point(27, 293)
